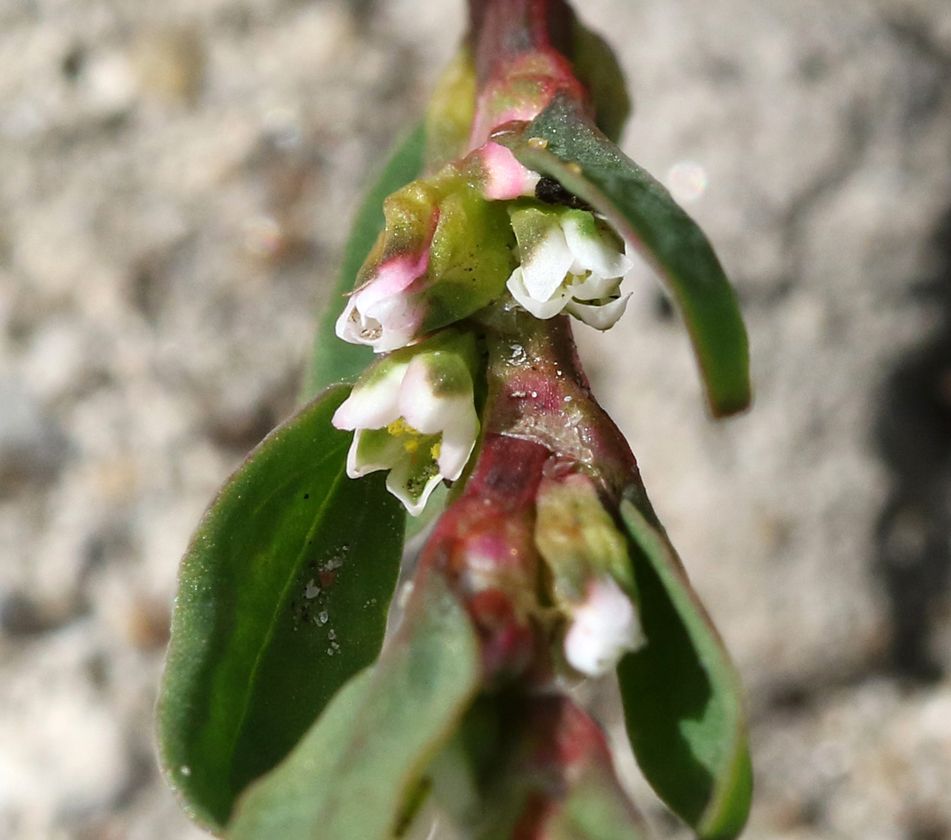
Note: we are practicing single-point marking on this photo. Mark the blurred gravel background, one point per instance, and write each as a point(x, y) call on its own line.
point(175, 184)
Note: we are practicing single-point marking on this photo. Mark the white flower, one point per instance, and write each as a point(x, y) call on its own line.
point(604, 627)
point(413, 413)
point(592, 581)
point(569, 262)
point(382, 314)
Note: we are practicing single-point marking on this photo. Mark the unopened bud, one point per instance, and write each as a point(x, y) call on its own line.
point(592, 577)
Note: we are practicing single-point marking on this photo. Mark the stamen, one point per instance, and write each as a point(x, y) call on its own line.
point(398, 427)
point(371, 333)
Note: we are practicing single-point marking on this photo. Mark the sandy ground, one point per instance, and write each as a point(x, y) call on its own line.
point(174, 184)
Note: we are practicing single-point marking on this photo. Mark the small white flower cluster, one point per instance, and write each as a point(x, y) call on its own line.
point(570, 262)
point(404, 416)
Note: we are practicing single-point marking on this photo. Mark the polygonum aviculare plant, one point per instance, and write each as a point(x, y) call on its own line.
point(450, 363)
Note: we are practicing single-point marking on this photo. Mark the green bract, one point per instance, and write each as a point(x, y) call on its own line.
point(444, 254)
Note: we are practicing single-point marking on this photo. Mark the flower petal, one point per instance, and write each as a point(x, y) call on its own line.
point(436, 389)
point(412, 481)
point(506, 178)
point(374, 402)
point(545, 264)
point(540, 309)
point(595, 250)
point(382, 313)
point(604, 628)
point(595, 287)
point(350, 326)
point(392, 322)
point(600, 316)
point(457, 444)
point(372, 450)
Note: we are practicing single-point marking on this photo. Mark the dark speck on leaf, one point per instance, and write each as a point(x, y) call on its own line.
point(306, 495)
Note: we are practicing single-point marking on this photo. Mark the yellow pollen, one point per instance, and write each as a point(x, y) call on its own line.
point(436, 448)
point(401, 427)
point(411, 445)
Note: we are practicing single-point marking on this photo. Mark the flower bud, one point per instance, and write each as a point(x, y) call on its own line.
point(592, 578)
point(570, 261)
point(604, 626)
point(503, 177)
point(413, 413)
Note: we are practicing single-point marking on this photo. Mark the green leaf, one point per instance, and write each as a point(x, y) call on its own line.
point(334, 360)
point(282, 597)
point(589, 165)
point(354, 775)
point(596, 808)
point(597, 67)
point(682, 696)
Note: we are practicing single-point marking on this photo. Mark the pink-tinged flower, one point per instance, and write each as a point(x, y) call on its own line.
point(381, 314)
point(570, 262)
point(413, 413)
point(444, 254)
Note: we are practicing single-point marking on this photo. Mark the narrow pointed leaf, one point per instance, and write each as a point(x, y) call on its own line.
point(354, 774)
point(334, 360)
point(682, 696)
point(564, 145)
point(283, 596)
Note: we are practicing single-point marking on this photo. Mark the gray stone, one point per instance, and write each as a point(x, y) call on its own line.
point(32, 446)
